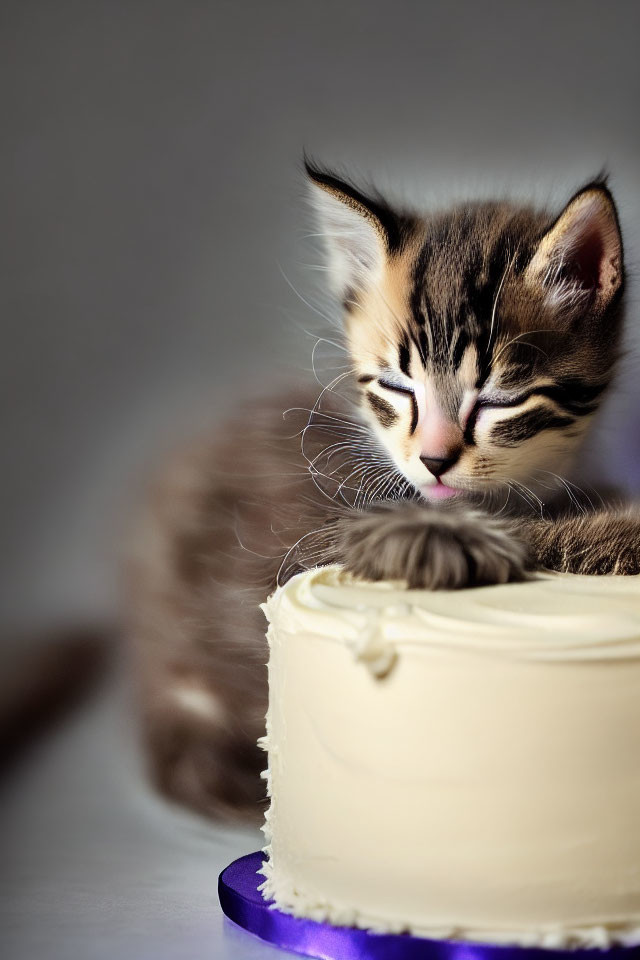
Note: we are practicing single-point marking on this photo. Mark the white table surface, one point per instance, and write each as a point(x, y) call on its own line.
point(93, 865)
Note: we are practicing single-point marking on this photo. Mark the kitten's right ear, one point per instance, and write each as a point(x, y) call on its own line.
point(578, 261)
point(360, 231)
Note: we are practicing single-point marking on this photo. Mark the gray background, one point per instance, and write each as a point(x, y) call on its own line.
point(152, 196)
point(151, 203)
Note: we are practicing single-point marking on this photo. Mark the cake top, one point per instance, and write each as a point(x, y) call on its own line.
point(553, 617)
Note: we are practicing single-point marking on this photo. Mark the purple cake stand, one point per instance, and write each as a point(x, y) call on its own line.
point(242, 902)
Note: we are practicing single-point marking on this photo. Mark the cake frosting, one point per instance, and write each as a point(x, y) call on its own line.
point(457, 764)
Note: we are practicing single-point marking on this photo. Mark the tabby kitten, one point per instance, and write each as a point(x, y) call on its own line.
point(482, 342)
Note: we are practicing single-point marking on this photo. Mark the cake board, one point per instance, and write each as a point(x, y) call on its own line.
point(242, 903)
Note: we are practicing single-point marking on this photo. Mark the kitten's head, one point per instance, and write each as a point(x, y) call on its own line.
point(482, 338)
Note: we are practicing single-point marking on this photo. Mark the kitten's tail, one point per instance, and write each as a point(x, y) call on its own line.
point(43, 679)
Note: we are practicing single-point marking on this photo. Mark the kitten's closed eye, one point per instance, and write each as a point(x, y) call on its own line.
point(485, 404)
point(496, 403)
point(396, 387)
point(406, 391)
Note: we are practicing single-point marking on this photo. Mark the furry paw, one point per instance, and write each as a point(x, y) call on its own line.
point(600, 544)
point(434, 549)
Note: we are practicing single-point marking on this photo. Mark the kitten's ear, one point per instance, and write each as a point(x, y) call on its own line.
point(579, 260)
point(359, 231)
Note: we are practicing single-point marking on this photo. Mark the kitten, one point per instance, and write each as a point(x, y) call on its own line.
point(482, 340)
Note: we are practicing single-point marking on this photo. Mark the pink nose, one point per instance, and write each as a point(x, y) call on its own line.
point(441, 441)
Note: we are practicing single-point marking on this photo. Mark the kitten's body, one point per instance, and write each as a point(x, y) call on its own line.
point(482, 342)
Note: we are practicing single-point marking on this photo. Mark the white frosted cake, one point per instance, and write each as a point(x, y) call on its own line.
point(457, 764)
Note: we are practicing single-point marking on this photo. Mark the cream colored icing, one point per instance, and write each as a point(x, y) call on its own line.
point(461, 764)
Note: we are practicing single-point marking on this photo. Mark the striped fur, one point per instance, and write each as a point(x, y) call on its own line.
point(463, 304)
point(485, 336)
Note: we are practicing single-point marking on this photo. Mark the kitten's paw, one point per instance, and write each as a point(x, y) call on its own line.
point(597, 544)
point(437, 550)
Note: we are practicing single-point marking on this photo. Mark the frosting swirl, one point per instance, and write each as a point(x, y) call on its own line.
point(554, 617)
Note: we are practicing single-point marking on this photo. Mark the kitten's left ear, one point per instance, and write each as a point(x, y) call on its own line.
point(579, 260)
point(360, 231)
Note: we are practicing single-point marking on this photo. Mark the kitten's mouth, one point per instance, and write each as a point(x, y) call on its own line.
point(439, 491)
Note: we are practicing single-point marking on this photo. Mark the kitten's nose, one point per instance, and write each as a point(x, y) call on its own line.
point(440, 436)
point(439, 465)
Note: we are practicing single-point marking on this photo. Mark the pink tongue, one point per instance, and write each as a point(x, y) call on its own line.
point(441, 491)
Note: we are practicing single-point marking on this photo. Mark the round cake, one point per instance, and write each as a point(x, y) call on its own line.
point(457, 764)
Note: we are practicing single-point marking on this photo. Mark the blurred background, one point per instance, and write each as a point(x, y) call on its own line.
point(152, 243)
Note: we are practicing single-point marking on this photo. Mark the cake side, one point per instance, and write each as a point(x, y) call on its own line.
point(457, 765)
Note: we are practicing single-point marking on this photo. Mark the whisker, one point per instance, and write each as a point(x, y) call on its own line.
point(528, 495)
point(496, 299)
point(323, 316)
point(526, 333)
